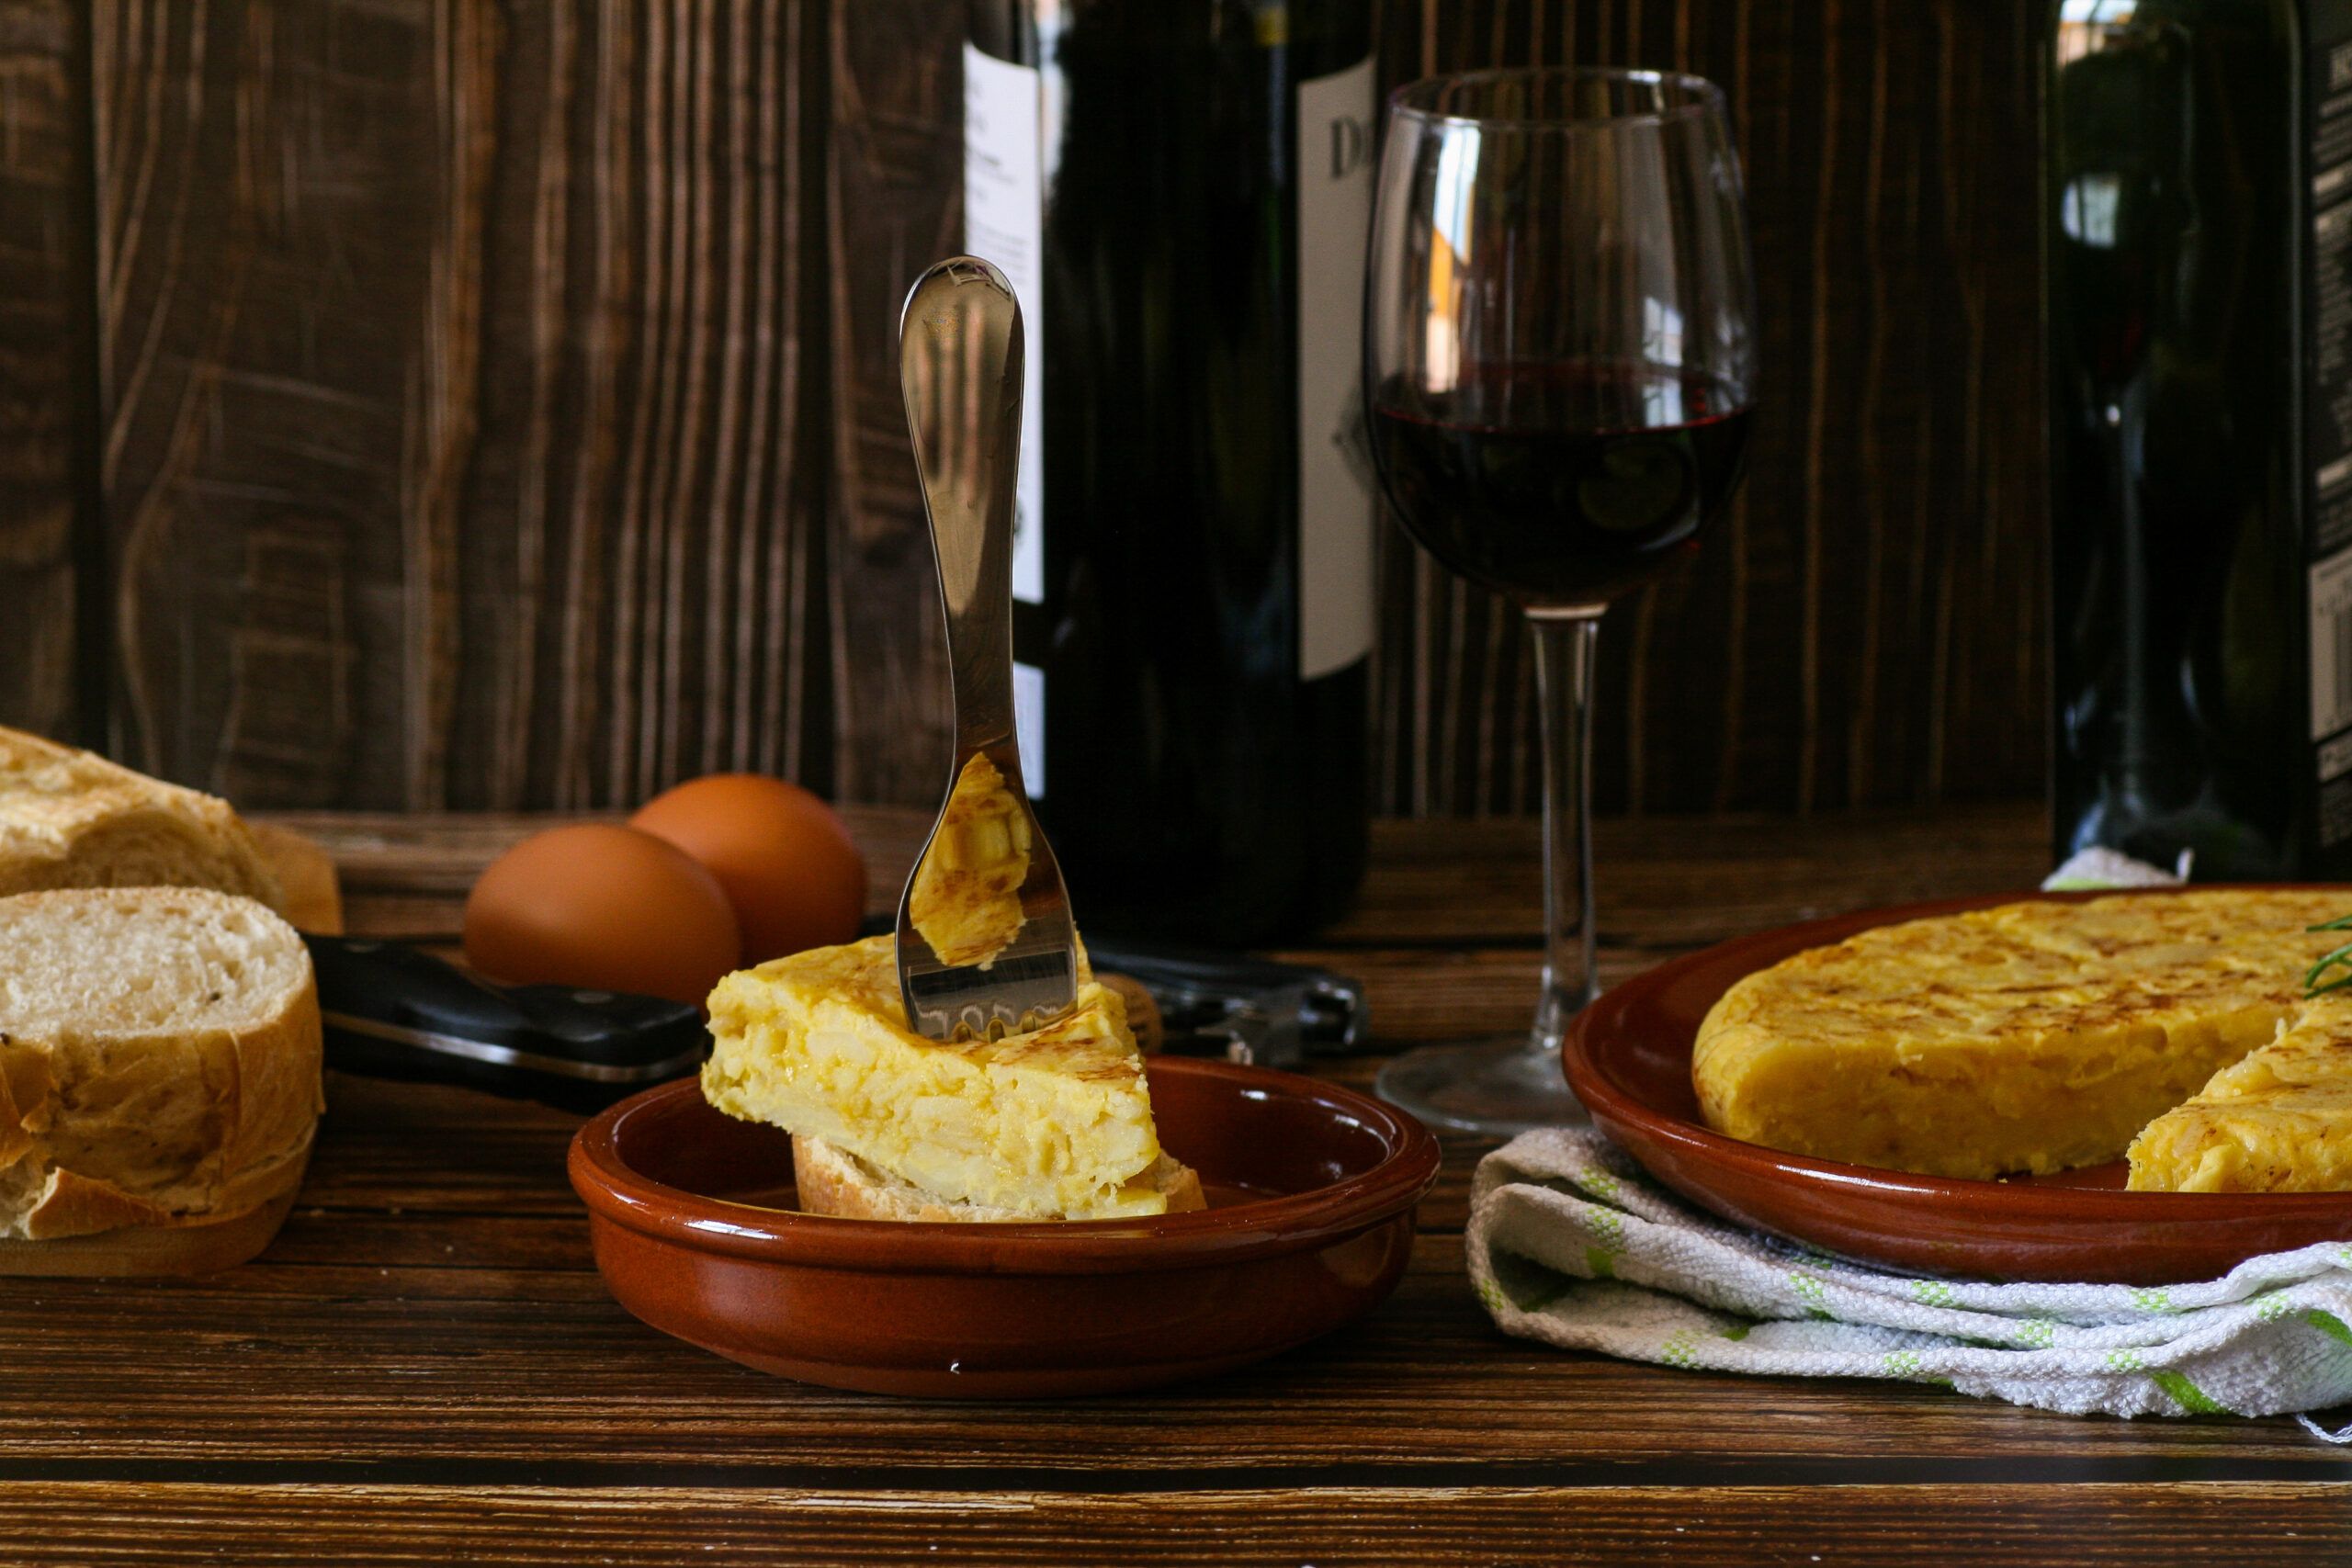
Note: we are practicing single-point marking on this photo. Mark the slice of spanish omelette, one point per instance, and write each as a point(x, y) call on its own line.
point(2036, 1037)
point(2278, 1121)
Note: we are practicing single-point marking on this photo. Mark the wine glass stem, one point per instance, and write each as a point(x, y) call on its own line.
point(1565, 644)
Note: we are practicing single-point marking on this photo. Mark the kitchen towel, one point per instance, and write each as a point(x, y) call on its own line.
point(1571, 1244)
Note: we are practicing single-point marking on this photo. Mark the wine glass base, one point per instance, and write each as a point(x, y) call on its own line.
point(1501, 1087)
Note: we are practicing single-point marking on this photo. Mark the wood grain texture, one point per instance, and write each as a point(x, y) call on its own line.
point(499, 409)
point(1867, 625)
point(425, 1366)
point(1438, 934)
point(1628, 1524)
point(458, 447)
point(895, 168)
point(45, 517)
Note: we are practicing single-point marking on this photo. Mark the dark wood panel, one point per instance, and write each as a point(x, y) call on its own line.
point(895, 173)
point(1433, 883)
point(1439, 933)
point(426, 1367)
point(149, 1523)
point(44, 402)
point(500, 408)
point(458, 449)
point(1868, 627)
point(432, 1303)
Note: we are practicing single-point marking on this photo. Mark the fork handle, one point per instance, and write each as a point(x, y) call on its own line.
point(960, 369)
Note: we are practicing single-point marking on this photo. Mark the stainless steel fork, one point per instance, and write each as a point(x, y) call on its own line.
point(960, 368)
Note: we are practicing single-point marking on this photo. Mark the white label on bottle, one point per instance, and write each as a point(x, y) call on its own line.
point(2336, 759)
point(1004, 222)
point(1335, 494)
point(2331, 643)
point(1029, 726)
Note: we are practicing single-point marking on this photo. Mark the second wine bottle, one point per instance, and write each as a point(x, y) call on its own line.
point(1180, 191)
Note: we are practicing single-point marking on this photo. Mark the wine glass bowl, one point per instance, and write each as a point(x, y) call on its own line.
point(1559, 369)
point(1565, 485)
point(1558, 353)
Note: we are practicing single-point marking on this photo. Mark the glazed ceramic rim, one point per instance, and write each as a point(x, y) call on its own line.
point(1613, 1105)
point(616, 1193)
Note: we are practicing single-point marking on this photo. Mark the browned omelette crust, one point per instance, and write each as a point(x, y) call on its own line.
point(2030, 1037)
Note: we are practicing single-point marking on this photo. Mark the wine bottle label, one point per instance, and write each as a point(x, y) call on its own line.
point(1004, 222)
point(1029, 726)
point(2327, 435)
point(1335, 499)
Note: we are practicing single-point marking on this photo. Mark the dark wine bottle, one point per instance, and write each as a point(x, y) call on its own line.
point(1180, 191)
point(2198, 268)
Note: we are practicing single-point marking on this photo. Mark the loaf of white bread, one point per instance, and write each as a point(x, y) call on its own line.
point(70, 818)
point(159, 1024)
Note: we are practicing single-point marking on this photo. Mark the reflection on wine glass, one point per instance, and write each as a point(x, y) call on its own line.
point(1559, 359)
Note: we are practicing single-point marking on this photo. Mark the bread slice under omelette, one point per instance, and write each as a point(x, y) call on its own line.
point(834, 1182)
point(1055, 1124)
point(2037, 1037)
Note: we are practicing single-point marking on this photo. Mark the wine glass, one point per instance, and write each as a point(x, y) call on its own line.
point(1560, 364)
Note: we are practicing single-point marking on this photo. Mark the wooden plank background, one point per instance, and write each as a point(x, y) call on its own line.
point(411, 404)
point(45, 410)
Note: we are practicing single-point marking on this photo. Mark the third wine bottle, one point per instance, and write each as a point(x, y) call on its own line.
point(1180, 191)
point(2198, 221)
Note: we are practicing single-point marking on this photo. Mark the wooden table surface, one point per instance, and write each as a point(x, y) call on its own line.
point(425, 1367)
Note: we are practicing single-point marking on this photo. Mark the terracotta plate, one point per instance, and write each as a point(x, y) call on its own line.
point(1628, 1058)
point(1312, 1192)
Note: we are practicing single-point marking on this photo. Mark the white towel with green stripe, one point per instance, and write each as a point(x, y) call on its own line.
point(1571, 1244)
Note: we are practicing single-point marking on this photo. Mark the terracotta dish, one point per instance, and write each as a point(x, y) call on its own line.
point(1628, 1058)
point(1312, 1189)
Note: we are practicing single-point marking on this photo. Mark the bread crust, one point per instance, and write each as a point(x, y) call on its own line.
point(832, 1182)
point(72, 818)
point(195, 1244)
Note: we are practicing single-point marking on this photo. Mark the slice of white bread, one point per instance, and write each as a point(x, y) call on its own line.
point(70, 818)
point(159, 1068)
point(832, 1181)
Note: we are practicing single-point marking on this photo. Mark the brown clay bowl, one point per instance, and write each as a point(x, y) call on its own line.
point(1312, 1192)
point(1628, 1058)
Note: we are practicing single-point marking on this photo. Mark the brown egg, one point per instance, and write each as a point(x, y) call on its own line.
point(604, 907)
point(788, 863)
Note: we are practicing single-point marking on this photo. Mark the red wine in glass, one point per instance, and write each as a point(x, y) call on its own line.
point(1563, 483)
point(1559, 369)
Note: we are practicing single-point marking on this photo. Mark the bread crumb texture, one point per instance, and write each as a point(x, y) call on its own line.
point(159, 1059)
